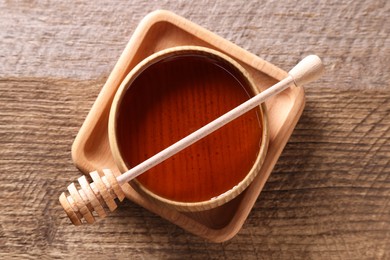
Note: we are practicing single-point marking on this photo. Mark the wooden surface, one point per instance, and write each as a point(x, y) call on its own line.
point(328, 196)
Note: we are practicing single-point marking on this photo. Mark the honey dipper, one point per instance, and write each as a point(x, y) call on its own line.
point(102, 192)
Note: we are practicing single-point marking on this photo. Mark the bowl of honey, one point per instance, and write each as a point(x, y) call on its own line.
point(166, 97)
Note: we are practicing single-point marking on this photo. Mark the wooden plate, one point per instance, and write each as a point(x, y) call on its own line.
point(160, 30)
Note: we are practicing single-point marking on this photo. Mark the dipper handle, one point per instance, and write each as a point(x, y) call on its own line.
point(307, 70)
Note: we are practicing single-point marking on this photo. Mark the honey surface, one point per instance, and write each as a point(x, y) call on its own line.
point(173, 98)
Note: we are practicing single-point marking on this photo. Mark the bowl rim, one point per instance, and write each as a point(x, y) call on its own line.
point(128, 80)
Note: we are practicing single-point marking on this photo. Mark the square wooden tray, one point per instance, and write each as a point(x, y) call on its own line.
point(160, 30)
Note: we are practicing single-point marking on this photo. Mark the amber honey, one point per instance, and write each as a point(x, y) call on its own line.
point(169, 100)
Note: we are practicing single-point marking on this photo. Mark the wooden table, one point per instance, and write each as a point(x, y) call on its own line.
point(328, 196)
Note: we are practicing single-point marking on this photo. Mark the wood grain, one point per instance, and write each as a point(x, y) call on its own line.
point(83, 40)
point(328, 197)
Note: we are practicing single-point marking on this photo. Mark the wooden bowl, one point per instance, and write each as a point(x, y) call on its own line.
point(195, 181)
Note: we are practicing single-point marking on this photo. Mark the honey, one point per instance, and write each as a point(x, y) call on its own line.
point(174, 97)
